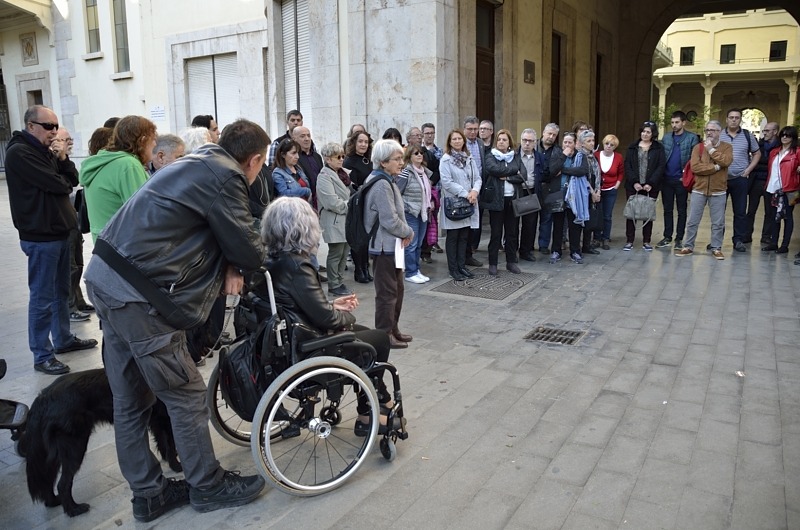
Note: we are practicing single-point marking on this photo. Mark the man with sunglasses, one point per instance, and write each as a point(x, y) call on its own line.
point(40, 178)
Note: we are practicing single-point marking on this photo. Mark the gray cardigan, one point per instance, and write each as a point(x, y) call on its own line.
point(385, 204)
point(332, 196)
point(411, 190)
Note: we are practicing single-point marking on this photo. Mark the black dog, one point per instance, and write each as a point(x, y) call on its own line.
point(60, 422)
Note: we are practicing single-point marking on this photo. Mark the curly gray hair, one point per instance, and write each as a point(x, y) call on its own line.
point(383, 150)
point(331, 149)
point(290, 224)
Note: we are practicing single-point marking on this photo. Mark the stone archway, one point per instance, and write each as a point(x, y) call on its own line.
point(643, 29)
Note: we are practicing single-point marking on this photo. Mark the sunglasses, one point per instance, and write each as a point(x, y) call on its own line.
point(47, 126)
point(786, 135)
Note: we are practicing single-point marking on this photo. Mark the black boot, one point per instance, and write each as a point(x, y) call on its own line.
point(367, 274)
point(358, 275)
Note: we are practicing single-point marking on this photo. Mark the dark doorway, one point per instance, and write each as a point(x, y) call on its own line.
point(556, 63)
point(598, 92)
point(484, 61)
point(5, 125)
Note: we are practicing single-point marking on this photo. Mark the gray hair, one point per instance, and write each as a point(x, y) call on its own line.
point(715, 122)
point(553, 126)
point(194, 138)
point(168, 143)
point(290, 224)
point(528, 131)
point(331, 149)
point(471, 119)
point(585, 135)
point(383, 150)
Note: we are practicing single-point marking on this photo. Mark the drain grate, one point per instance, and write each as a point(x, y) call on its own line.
point(489, 287)
point(555, 335)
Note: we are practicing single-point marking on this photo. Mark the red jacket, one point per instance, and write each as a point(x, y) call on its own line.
point(790, 180)
point(615, 174)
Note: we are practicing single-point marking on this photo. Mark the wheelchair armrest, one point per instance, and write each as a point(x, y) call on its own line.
point(326, 341)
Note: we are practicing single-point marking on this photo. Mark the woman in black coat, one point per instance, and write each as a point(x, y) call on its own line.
point(644, 168)
point(504, 174)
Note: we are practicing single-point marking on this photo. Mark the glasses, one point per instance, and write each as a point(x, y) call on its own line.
point(486, 129)
point(711, 130)
point(338, 157)
point(47, 126)
point(786, 135)
point(527, 141)
point(396, 159)
point(417, 153)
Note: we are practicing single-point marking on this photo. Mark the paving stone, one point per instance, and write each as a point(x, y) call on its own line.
point(760, 378)
point(609, 404)
point(545, 439)
point(682, 415)
point(626, 377)
point(640, 423)
point(573, 464)
point(713, 472)
point(727, 384)
point(547, 506)
point(762, 428)
point(758, 506)
point(700, 509)
point(661, 482)
point(642, 514)
point(579, 521)
point(674, 445)
point(689, 389)
point(760, 400)
point(759, 464)
point(594, 431)
point(605, 495)
point(624, 454)
point(718, 436)
point(568, 409)
point(722, 408)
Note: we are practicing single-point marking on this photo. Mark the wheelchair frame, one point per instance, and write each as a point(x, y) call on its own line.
point(303, 436)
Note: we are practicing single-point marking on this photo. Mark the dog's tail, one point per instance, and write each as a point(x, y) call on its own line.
point(39, 450)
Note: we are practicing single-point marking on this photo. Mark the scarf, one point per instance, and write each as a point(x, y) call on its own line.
point(344, 177)
point(459, 158)
point(503, 157)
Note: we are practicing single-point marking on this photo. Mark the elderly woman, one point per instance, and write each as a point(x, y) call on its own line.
point(288, 176)
point(612, 174)
point(333, 191)
point(357, 160)
point(504, 173)
point(415, 185)
point(565, 166)
point(644, 167)
point(291, 233)
point(194, 138)
point(116, 172)
point(459, 178)
point(586, 139)
point(384, 207)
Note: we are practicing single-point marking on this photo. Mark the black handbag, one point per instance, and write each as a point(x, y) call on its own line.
point(554, 202)
point(526, 204)
point(458, 208)
point(83, 211)
point(595, 221)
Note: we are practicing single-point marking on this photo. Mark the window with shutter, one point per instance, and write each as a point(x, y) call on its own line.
point(213, 87)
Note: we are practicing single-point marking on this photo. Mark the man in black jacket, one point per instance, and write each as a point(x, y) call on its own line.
point(40, 178)
point(161, 262)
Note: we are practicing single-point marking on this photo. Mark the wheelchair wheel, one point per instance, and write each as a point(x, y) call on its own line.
point(313, 408)
point(227, 423)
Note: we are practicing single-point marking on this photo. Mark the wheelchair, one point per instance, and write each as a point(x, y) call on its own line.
point(13, 415)
point(303, 435)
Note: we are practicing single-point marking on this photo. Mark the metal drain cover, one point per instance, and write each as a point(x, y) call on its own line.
point(483, 285)
point(555, 335)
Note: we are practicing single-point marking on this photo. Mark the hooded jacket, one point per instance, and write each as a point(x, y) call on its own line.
point(109, 178)
point(39, 185)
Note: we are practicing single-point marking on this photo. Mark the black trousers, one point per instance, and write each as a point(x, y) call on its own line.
point(504, 222)
point(575, 232)
point(456, 248)
point(757, 190)
point(527, 235)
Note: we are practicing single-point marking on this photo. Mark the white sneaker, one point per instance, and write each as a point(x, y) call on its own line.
point(423, 276)
point(414, 279)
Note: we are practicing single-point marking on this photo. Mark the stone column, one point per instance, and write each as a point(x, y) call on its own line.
point(791, 110)
point(663, 86)
point(708, 87)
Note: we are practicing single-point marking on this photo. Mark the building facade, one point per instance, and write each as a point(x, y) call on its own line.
point(743, 58)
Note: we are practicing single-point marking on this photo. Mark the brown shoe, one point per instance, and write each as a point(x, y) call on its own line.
point(685, 251)
point(395, 344)
point(402, 337)
point(717, 253)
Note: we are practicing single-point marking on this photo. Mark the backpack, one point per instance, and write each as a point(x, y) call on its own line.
point(354, 230)
point(688, 175)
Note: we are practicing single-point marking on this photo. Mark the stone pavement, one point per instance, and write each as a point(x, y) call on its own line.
point(643, 424)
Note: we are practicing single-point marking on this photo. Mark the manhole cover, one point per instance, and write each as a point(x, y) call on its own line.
point(483, 285)
point(555, 335)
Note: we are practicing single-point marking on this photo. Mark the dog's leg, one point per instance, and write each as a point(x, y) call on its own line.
point(72, 449)
point(161, 428)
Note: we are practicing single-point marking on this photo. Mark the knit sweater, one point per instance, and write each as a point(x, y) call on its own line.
point(385, 204)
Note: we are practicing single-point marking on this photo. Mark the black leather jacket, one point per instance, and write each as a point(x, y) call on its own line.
point(497, 173)
point(299, 293)
point(185, 225)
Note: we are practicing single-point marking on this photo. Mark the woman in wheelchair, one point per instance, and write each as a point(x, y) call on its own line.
point(291, 232)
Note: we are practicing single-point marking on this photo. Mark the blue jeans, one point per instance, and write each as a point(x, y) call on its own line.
point(414, 250)
point(672, 191)
point(608, 199)
point(738, 189)
point(48, 307)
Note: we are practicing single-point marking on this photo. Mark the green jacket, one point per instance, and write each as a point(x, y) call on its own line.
point(109, 178)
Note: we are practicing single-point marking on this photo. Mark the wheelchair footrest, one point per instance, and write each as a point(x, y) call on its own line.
point(12, 414)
